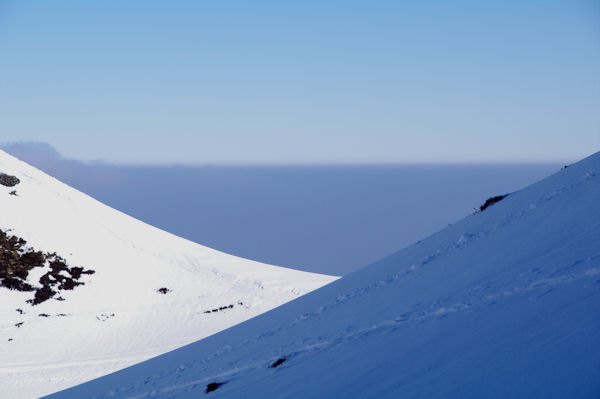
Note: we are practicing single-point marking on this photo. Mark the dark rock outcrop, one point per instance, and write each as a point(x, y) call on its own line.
point(492, 201)
point(213, 386)
point(277, 362)
point(220, 309)
point(16, 261)
point(8, 180)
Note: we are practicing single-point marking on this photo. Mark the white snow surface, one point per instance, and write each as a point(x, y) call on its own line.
point(503, 304)
point(117, 318)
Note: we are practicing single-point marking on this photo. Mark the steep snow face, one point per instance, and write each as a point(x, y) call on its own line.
point(504, 303)
point(150, 292)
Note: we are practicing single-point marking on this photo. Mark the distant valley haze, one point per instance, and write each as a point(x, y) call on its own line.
point(325, 219)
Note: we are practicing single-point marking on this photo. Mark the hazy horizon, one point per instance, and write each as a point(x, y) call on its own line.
point(40, 151)
point(325, 219)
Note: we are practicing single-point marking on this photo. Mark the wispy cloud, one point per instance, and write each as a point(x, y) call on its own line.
point(87, 177)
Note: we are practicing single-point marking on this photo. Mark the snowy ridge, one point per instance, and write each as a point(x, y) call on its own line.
point(504, 303)
point(120, 315)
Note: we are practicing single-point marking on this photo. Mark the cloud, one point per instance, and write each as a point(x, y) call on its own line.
point(32, 152)
point(78, 174)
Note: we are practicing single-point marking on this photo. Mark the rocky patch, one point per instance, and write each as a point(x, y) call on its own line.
point(277, 362)
point(213, 386)
point(219, 309)
point(8, 180)
point(492, 201)
point(222, 308)
point(17, 260)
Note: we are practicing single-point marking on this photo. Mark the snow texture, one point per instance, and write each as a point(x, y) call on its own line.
point(503, 304)
point(151, 291)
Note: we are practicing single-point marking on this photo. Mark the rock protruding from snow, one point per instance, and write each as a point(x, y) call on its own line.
point(8, 180)
point(17, 261)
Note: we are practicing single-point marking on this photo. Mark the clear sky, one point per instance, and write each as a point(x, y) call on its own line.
point(234, 82)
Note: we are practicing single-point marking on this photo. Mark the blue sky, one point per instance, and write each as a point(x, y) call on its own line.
point(232, 82)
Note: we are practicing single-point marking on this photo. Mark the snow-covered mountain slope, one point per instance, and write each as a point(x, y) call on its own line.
point(503, 304)
point(150, 291)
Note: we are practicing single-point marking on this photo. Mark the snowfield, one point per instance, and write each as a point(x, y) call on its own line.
point(503, 304)
point(151, 291)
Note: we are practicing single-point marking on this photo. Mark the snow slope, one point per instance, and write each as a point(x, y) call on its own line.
point(503, 304)
point(117, 318)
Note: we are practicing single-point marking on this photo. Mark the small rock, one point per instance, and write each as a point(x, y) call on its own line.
point(8, 180)
point(213, 386)
point(277, 362)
